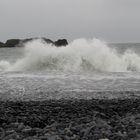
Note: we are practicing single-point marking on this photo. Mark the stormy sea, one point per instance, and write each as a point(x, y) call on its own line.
point(87, 90)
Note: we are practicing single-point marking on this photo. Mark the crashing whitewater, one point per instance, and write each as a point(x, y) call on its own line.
point(79, 55)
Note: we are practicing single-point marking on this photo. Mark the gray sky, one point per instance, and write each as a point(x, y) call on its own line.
point(111, 20)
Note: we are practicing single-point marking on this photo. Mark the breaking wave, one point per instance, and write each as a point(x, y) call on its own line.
point(79, 55)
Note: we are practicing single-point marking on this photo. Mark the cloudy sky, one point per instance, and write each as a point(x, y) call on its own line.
point(111, 20)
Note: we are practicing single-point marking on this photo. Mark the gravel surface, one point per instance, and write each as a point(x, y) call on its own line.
point(94, 119)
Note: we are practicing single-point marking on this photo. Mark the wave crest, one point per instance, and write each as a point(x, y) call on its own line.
point(79, 55)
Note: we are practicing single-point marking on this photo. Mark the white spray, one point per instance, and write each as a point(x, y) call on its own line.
point(79, 55)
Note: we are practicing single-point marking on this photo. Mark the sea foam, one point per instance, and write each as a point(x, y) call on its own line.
point(79, 55)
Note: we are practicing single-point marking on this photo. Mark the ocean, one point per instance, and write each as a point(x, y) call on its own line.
point(84, 69)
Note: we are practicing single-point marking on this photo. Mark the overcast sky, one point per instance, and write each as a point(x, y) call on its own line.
point(111, 20)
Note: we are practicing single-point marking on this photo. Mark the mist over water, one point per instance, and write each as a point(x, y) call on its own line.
point(80, 55)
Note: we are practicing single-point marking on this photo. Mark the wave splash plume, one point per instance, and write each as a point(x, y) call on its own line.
point(79, 55)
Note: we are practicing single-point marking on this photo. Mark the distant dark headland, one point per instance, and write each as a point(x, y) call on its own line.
point(19, 42)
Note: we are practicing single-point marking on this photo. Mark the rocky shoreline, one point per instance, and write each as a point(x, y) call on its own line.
point(96, 119)
point(19, 42)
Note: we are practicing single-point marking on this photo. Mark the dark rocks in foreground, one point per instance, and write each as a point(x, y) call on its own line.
point(70, 120)
point(19, 42)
